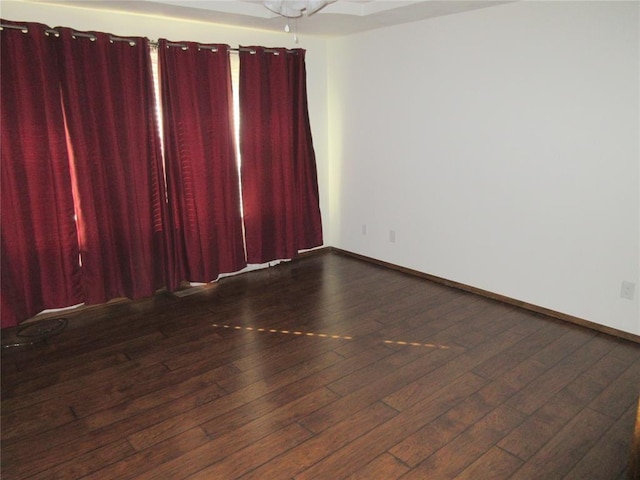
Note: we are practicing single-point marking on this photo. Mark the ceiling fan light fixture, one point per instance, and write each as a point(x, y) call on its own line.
point(295, 8)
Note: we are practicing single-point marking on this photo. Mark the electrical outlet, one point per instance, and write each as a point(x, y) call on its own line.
point(392, 236)
point(627, 290)
point(364, 228)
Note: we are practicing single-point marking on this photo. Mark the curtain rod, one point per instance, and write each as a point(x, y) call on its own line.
point(152, 43)
point(25, 29)
point(213, 48)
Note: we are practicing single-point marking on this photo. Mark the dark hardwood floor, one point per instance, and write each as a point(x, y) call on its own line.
point(327, 367)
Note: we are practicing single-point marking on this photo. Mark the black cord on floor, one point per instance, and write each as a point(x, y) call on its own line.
point(39, 331)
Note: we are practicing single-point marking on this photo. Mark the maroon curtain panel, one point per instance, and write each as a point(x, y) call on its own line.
point(307, 215)
point(200, 160)
point(279, 179)
point(117, 165)
point(39, 240)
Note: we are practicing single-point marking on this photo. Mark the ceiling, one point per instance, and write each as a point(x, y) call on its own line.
point(342, 17)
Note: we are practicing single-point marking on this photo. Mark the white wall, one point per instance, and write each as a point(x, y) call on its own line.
point(501, 146)
point(154, 27)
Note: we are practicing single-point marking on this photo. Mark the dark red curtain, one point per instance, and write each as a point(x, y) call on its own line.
point(38, 233)
point(309, 221)
point(279, 179)
point(200, 160)
point(98, 157)
point(114, 141)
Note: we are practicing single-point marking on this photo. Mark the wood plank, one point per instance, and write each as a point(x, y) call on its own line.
point(557, 457)
point(203, 388)
point(315, 449)
point(473, 443)
point(35, 419)
point(423, 386)
point(359, 399)
point(384, 367)
point(69, 374)
point(527, 347)
point(548, 384)
point(47, 375)
point(255, 455)
point(88, 463)
point(365, 449)
point(385, 466)
point(223, 446)
point(495, 464)
point(539, 428)
point(186, 419)
point(609, 455)
point(436, 434)
point(140, 462)
point(620, 393)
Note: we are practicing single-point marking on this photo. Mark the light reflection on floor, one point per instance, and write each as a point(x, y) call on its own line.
point(326, 335)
